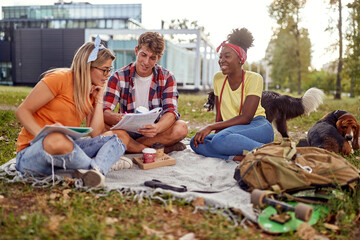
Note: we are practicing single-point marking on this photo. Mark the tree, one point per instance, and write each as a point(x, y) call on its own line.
point(286, 13)
point(282, 56)
point(185, 24)
point(337, 4)
point(352, 61)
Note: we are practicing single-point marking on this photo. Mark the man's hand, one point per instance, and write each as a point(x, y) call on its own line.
point(120, 116)
point(149, 130)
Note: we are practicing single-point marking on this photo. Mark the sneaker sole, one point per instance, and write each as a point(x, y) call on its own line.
point(128, 163)
point(90, 178)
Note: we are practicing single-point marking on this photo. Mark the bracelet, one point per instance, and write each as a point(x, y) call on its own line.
point(99, 102)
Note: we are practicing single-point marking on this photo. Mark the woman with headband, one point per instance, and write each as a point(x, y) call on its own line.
point(67, 97)
point(240, 119)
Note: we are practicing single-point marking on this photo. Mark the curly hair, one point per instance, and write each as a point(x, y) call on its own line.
point(154, 41)
point(242, 38)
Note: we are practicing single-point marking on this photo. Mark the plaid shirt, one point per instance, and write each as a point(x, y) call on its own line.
point(163, 91)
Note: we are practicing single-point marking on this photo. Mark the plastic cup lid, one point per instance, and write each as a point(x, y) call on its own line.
point(149, 150)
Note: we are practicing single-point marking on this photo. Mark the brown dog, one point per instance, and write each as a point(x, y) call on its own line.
point(348, 127)
point(337, 131)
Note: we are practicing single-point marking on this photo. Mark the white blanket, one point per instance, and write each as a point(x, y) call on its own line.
point(196, 173)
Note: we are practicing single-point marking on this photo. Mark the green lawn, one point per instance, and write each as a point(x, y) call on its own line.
point(63, 212)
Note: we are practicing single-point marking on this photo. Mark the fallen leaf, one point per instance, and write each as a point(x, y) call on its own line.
point(237, 212)
point(321, 237)
point(111, 220)
point(65, 193)
point(331, 226)
point(110, 233)
point(69, 182)
point(53, 196)
point(188, 236)
point(169, 237)
point(152, 232)
point(306, 232)
point(55, 222)
point(199, 201)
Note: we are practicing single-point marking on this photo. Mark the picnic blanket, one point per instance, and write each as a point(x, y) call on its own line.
point(192, 170)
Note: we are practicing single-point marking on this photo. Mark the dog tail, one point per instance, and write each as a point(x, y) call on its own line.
point(311, 100)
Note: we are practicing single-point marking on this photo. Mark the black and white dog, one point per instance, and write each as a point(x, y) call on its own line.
point(280, 108)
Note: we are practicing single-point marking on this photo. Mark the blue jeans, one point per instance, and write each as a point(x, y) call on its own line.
point(88, 153)
point(233, 140)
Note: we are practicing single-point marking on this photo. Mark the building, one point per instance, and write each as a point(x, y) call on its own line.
point(34, 39)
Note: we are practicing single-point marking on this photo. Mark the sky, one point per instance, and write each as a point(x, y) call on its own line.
point(220, 17)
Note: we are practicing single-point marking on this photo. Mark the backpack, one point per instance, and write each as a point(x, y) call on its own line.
point(285, 168)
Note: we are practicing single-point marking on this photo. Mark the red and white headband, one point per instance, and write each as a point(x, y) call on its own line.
point(239, 51)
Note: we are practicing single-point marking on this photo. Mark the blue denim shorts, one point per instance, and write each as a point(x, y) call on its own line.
point(100, 152)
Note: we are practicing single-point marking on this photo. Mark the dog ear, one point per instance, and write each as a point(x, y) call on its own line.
point(355, 143)
point(339, 126)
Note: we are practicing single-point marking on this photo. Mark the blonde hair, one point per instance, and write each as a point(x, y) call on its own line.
point(82, 79)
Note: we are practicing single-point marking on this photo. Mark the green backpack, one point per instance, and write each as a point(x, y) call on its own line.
point(283, 167)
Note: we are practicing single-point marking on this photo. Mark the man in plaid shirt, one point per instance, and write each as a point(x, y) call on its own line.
point(146, 84)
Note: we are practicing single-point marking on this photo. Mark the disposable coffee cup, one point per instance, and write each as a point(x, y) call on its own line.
point(159, 147)
point(149, 155)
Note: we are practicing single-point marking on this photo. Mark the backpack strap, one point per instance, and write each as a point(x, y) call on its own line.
point(289, 148)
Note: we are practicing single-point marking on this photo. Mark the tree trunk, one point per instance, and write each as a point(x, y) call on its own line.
point(297, 38)
point(340, 63)
point(298, 64)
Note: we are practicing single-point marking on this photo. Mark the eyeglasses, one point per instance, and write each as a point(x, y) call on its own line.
point(105, 71)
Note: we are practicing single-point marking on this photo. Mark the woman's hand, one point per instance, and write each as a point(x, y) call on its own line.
point(200, 135)
point(97, 92)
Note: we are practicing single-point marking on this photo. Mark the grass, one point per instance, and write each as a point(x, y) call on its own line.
point(67, 213)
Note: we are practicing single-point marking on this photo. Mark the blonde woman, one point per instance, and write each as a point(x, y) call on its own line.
point(67, 97)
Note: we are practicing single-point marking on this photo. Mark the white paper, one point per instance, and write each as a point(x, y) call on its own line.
point(73, 132)
point(134, 121)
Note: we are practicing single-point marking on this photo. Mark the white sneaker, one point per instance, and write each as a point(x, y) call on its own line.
point(122, 163)
point(90, 178)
